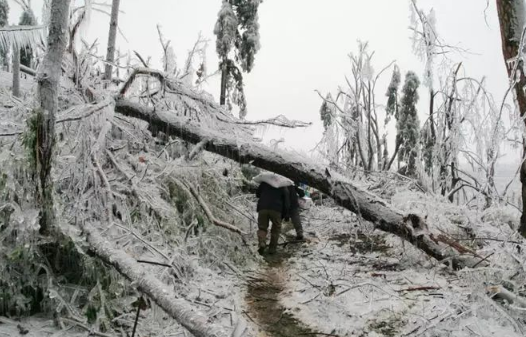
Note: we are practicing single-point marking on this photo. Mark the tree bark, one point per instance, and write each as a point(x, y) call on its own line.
point(511, 19)
point(159, 292)
point(16, 72)
point(411, 227)
point(224, 76)
point(48, 79)
point(114, 22)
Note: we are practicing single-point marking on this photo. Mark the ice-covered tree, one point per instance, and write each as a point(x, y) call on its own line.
point(27, 19)
point(408, 125)
point(237, 32)
point(112, 38)
point(512, 17)
point(4, 15)
point(392, 95)
point(326, 112)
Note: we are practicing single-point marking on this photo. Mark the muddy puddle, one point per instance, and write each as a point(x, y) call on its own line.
point(263, 295)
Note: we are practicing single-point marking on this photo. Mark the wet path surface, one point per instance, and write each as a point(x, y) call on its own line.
point(264, 289)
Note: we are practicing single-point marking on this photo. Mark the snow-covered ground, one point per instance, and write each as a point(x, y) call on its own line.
point(351, 282)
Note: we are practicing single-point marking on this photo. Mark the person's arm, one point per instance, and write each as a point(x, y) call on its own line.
point(299, 191)
point(286, 203)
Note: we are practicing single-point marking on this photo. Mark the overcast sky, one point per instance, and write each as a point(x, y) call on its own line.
point(305, 43)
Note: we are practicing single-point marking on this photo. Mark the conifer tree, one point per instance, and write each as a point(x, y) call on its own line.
point(392, 95)
point(27, 19)
point(326, 112)
point(4, 15)
point(237, 31)
point(408, 125)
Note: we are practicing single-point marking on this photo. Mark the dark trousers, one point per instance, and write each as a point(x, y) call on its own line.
point(296, 221)
point(266, 216)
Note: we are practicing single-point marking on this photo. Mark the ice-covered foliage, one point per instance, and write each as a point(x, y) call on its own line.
point(4, 15)
point(249, 43)
point(425, 39)
point(110, 170)
point(357, 138)
point(327, 111)
point(393, 105)
point(20, 36)
point(26, 54)
point(4, 12)
point(408, 124)
point(225, 29)
point(237, 42)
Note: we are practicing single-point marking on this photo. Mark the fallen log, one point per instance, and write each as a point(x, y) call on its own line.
point(411, 227)
point(28, 70)
point(160, 293)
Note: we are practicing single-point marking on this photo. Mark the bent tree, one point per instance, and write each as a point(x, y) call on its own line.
point(512, 17)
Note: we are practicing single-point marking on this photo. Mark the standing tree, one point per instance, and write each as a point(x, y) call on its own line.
point(391, 110)
point(237, 31)
point(408, 125)
point(512, 17)
point(4, 15)
point(112, 38)
point(48, 79)
point(26, 53)
point(331, 134)
point(392, 95)
point(426, 45)
point(326, 112)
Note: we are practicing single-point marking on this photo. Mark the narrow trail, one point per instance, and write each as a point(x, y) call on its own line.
point(264, 289)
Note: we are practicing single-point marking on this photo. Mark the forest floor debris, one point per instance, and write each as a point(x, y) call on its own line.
point(347, 281)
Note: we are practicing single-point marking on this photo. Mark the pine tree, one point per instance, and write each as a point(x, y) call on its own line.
point(326, 112)
point(237, 30)
point(27, 19)
point(408, 125)
point(4, 15)
point(392, 96)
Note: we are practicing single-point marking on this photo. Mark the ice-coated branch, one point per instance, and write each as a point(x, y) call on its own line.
point(191, 190)
point(160, 293)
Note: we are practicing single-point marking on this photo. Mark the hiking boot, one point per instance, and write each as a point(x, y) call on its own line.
point(273, 245)
point(300, 237)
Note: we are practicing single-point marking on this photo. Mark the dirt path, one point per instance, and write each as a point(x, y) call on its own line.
point(263, 298)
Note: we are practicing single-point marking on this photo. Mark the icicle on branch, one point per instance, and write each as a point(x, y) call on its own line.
point(21, 36)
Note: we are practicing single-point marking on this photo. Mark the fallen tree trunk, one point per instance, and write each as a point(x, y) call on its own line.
point(28, 70)
point(411, 228)
point(159, 292)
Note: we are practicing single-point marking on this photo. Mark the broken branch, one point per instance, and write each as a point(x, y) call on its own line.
point(195, 322)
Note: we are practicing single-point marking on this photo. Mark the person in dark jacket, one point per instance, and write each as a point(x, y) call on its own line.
point(294, 214)
point(272, 204)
